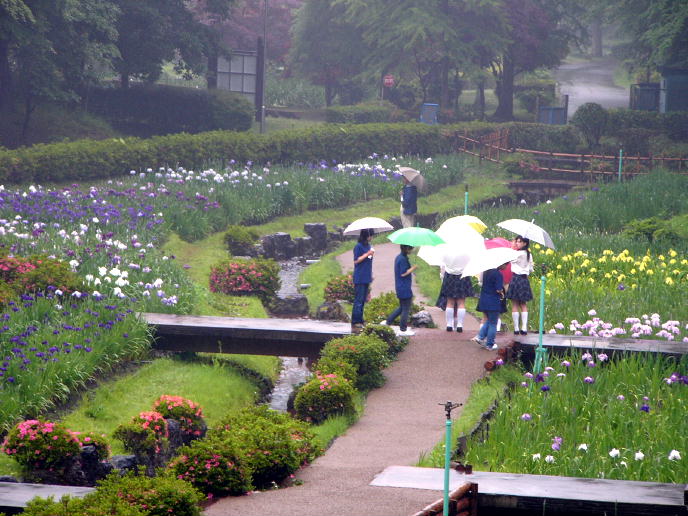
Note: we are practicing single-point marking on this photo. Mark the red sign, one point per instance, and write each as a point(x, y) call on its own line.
point(388, 80)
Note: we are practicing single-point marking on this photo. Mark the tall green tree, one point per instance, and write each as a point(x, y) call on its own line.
point(326, 47)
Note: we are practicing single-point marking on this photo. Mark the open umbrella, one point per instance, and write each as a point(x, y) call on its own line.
point(415, 237)
point(461, 220)
point(489, 259)
point(501, 242)
point(414, 177)
point(374, 223)
point(461, 239)
point(528, 230)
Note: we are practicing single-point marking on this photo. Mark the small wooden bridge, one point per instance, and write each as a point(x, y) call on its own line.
point(14, 496)
point(209, 334)
point(564, 343)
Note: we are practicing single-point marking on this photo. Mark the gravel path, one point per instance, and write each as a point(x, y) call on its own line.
point(402, 419)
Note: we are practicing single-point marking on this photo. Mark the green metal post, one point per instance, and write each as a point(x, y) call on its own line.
point(540, 351)
point(447, 458)
point(620, 163)
point(465, 201)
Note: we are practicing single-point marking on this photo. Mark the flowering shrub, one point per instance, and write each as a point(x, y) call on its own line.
point(37, 273)
point(236, 277)
point(325, 395)
point(146, 434)
point(212, 465)
point(98, 441)
point(367, 353)
point(272, 444)
point(87, 506)
point(159, 496)
point(189, 415)
point(37, 444)
point(340, 288)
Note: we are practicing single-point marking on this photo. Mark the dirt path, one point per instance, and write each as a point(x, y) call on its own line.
point(591, 81)
point(402, 419)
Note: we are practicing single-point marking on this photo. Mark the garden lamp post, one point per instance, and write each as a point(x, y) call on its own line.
point(448, 407)
point(540, 351)
point(265, 52)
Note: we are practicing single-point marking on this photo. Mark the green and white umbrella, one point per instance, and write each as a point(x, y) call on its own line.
point(416, 237)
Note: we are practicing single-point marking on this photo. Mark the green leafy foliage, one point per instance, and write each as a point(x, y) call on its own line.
point(366, 352)
point(591, 120)
point(340, 288)
point(214, 465)
point(236, 277)
point(145, 434)
point(239, 239)
point(159, 496)
point(325, 395)
point(378, 308)
point(158, 109)
point(39, 444)
point(188, 413)
point(651, 229)
point(272, 444)
point(89, 506)
point(394, 344)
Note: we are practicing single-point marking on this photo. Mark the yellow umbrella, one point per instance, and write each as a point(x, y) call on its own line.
point(456, 222)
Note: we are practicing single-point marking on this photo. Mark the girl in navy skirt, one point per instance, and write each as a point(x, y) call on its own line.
point(455, 289)
point(519, 289)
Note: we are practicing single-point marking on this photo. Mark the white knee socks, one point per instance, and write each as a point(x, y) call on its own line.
point(524, 321)
point(514, 316)
point(460, 314)
point(449, 314)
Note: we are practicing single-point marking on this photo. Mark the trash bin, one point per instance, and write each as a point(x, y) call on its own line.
point(428, 113)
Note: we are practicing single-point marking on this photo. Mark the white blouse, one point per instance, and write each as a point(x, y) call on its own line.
point(522, 265)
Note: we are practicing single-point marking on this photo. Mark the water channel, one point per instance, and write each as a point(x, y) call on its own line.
point(294, 370)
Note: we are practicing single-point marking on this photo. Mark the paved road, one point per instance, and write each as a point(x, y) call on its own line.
point(402, 419)
point(591, 81)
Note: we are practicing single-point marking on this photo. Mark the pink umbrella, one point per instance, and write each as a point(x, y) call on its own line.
point(501, 242)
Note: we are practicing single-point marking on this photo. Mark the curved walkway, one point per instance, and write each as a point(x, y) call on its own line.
point(402, 419)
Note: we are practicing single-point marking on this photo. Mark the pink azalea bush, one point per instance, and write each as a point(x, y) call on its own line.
point(188, 413)
point(240, 277)
point(323, 396)
point(340, 288)
point(39, 444)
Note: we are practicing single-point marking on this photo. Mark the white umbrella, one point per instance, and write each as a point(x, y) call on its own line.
point(378, 225)
point(414, 177)
point(489, 259)
point(528, 230)
point(461, 240)
point(461, 220)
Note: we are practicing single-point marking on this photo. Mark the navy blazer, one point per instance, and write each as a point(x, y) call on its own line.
point(490, 300)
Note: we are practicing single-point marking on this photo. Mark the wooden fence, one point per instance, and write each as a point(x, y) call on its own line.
point(493, 147)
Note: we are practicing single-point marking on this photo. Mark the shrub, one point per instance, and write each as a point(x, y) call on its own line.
point(520, 163)
point(7, 293)
point(378, 308)
point(273, 444)
point(41, 445)
point(529, 98)
point(47, 272)
point(240, 240)
point(189, 415)
point(367, 353)
point(90, 505)
point(645, 229)
point(159, 496)
point(327, 394)
point(237, 277)
point(98, 441)
point(145, 434)
point(148, 110)
point(591, 121)
point(340, 288)
point(343, 368)
point(544, 137)
point(212, 465)
point(386, 334)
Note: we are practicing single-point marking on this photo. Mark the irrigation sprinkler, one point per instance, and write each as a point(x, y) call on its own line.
point(465, 200)
point(540, 351)
point(448, 407)
point(620, 163)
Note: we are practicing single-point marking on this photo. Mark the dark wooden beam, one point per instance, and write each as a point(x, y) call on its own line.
point(208, 334)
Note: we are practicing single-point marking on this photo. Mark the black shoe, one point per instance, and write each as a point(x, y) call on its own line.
point(523, 332)
point(449, 328)
point(516, 332)
point(459, 329)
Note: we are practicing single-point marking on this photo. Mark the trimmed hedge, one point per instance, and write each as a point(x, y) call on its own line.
point(88, 159)
point(673, 124)
point(147, 110)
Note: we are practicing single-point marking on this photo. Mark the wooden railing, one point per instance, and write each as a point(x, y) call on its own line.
point(494, 146)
